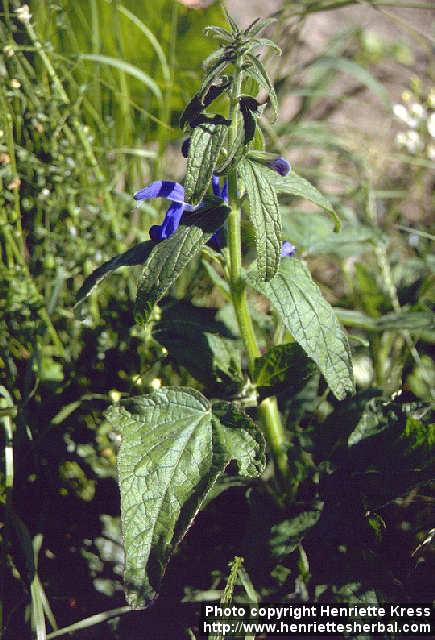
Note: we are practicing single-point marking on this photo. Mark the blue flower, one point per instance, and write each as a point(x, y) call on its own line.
point(174, 192)
point(287, 249)
point(216, 187)
point(281, 166)
point(216, 240)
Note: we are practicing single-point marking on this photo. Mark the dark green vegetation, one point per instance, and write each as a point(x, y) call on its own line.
point(90, 99)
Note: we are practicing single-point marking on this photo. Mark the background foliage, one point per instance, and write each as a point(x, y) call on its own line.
point(90, 96)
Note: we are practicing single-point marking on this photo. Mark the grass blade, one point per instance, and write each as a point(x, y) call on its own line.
point(89, 622)
point(151, 39)
point(127, 68)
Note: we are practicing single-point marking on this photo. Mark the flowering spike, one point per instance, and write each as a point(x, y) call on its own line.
point(174, 192)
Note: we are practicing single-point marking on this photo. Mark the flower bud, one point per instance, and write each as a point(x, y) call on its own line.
point(271, 160)
point(288, 250)
point(281, 166)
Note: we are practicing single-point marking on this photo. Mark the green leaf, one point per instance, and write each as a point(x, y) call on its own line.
point(235, 154)
point(311, 320)
point(369, 292)
point(205, 146)
point(258, 26)
point(265, 42)
point(217, 279)
point(213, 74)
point(285, 366)
point(413, 321)
point(265, 216)
point(383, 448)
point(377, 523)
point(134, 256)
point(351, 241)
point(219, 33)
point(213, 355)
point(233, 24)
point(287, 534)
point(127, 68)
point(240, 439)
point(256, 70)
point(168, 258)
point(173, 450)
point(216, 57)
point(294, 185)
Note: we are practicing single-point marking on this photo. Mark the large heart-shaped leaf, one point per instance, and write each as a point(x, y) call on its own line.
point(174, 447)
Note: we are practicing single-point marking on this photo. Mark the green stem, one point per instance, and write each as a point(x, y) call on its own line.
point(268, 409)
point(274, 432)
point(237, 286)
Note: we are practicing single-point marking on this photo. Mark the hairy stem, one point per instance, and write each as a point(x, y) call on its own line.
point(268, 409)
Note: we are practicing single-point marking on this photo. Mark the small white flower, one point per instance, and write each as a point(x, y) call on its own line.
point(45, 192)
point(23, 14)
point(155, 383)
point(8, 50)
point(417, 110)
point(413, 141)
point(410, 140)
point(15, 84)
point(402, 113)
point(73, 231)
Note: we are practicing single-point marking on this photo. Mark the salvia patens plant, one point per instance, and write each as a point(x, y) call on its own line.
point(176, 443)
